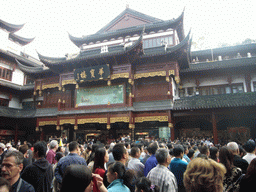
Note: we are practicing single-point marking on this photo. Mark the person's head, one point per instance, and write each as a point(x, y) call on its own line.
point(191, 153)
point(115, 171)
point(23, 149)
point(77, 176)
point(214, 153)
point(233, 147)
point(4, 185)
point(152, 148)
point(2, 147)
point(163, 157)
point(205, 150)
point(12, 165)
point(251, 170)
point(143, 184)
point(74, 147)
point(58, 156)
point(101, 157)
point(61, 149)
point(54, 145)
point(120, 153)
point(40, 149)
point(135, 152)
point(204, 175)
point(226, 158)
point(242, 152)
point(249, 146)
point(8, 146)
point(178, 151)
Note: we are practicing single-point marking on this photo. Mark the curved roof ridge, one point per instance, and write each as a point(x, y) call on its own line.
point(51, 59)
point(10, 27)
point(28, 69)
point(155, 26)
point(20, 40)
point(53, 62)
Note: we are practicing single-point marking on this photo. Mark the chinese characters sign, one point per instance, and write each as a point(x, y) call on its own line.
point(92, 73)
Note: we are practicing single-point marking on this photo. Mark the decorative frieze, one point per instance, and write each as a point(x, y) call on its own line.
point(67, 121)
point(43, 123)
point(92, 120)
point(151, 118)
point(150, 74)
point(50, 86)
point(120, 75)
point(70, 81)
point(119, 119)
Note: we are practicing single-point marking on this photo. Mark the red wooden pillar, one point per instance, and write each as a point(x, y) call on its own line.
point(214, 127)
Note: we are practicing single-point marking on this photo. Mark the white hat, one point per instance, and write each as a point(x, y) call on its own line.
point(2, 146)
point(8, 145)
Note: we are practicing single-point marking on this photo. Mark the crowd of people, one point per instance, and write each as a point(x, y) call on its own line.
point(187, 164)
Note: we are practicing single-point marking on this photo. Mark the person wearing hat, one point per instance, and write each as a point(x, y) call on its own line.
point(8, 147)
point(2, 152)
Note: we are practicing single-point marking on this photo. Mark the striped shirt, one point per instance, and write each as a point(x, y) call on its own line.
point(163, 178)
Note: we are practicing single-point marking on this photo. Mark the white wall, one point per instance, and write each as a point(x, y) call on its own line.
point(4, 96)
point(18, 77)
point(15, 103)
point(210, 81)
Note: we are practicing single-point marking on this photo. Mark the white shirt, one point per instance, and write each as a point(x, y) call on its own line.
point(249, 157)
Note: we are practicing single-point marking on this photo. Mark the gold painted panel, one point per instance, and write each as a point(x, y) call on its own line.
point(43, 123)
point(67, 121)
point(92, 120)
point(151, 74)
point(119, 119)
point(151, 118)
point(120, 75)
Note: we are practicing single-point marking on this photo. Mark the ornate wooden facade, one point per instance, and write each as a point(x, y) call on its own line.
point(136, 76)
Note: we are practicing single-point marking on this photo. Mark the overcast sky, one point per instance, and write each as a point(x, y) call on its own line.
point(50, 21)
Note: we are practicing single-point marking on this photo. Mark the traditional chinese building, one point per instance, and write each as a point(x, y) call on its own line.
point(16, 88)
point(138, 76)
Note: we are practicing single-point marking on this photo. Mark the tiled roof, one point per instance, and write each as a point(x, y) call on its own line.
point(16, 113)
point(155, 26)
point(239, 62)
point(153, 105)
point(16, 86)
point(242, 49)
point(215, 101)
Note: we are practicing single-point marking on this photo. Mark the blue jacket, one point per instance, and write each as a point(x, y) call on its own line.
point(71, 158)
point(150, 164)
point(117, 186)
